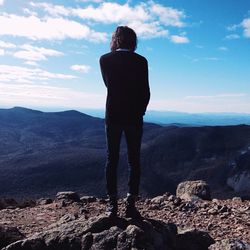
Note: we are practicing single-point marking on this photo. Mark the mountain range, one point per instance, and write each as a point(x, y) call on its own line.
point(42, 153)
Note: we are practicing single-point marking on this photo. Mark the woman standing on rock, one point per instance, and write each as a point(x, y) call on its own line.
point(125, 74)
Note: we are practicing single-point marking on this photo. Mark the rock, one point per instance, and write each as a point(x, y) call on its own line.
point(230, 244)
point(237, 199)
point(193, 239)
point(8, 203)
point(87, 199)
point(104, 233)
point(44, 201)
point(240, 182)
point(193, 190)
point(158, 199)
point(67, 197)
point(9, 235)
point(27, 203)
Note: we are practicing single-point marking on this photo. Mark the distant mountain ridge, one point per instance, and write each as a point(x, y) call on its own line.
point(188, 119)
point(45, 152)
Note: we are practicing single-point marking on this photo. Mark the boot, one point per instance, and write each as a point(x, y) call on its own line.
point(112, 207)
point(131, 211)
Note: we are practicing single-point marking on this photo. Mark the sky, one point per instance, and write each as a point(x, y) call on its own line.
point(197, 51)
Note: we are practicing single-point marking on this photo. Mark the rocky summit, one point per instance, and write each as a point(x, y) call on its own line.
point(169, 222)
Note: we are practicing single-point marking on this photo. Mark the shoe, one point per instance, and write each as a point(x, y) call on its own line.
point(112, 207)
point(131, 211)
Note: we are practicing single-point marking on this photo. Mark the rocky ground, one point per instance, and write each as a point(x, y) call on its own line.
point(221, 219)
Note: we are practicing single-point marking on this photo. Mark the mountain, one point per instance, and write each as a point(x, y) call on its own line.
point(42, 153)
point(197, 119)
point(187, 119)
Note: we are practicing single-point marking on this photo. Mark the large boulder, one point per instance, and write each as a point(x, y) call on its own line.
point(230, 244)
point(193, 190)
point(9, 235)
point(105, 233)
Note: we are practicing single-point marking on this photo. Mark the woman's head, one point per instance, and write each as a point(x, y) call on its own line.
point(123, 38)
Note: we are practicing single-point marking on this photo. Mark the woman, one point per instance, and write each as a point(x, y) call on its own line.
point(125, 74)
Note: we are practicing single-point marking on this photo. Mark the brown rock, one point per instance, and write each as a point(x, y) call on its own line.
point(193, 190)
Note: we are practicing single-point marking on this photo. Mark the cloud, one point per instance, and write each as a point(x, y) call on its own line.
point(81, 68)
point(44, 95)
point(88, 1)
point(1, 2)
point(232, 36)
point(2, 52)
point(232, 102)
point(148, 19)
point(7, 45)
point(179, 39)
point(32, 53)
point(226, 95)
point(31, 63)
point(13, 74)
point(246, 26)
point(48, 28)
point(233, 27)
point(223, 48)
point(168, 16)
point(148, 30)
point(211, 58)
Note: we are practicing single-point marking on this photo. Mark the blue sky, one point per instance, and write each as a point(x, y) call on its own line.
point(198, 52)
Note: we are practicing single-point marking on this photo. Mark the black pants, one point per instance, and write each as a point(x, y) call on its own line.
point(133, 134)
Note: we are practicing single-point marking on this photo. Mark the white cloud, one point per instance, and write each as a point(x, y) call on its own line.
point(31, 63)
point(233, 102)
point(2, 52)
point(7, 45)
point(113, 13)
point(92, 1)
point(148, 19)
point(32, 53)
point(1, 2)
point(179, 39)
point(43, 95)
point(48, 28)
point(211, 58)
point(54, 10)
point(223, 48)
point(232, 36)
point(246, 26)
point(233, 27)
point(81, 68)
point(148, 30)
point(226, 95)
point(168, 16)
point(13, 74)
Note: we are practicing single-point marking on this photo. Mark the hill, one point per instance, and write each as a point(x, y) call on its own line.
point(45, 152)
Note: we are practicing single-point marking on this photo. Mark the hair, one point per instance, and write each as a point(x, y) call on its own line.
point(123, 38)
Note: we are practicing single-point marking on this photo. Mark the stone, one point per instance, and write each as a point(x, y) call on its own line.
point(230, 244)
point(88, 199)
point(105, 233)
point(67, 197)
point(9, 235)
point(44, 201)
point(158, 199)
point(27, 203)
point(8, 203)
point(237, 199)
point(193, 190)
point(192, 239)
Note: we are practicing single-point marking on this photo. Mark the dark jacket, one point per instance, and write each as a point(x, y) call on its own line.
point(125, 75)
